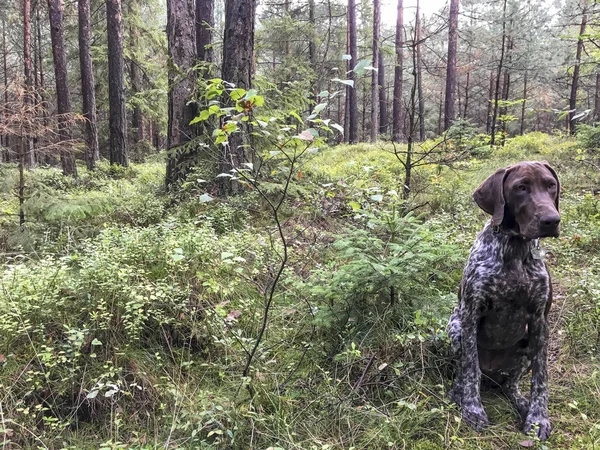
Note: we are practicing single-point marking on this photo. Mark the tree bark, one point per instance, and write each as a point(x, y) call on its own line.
point(63, 97)
point(351, 96)
point(451, 65)
point(488, 121)
point(238, 63)
point(397, 113)
point(467, 95)
point(522, 131)
point(597, 99)
point(6, 157)
point(383, 112)
point(181, 38)
point(374, 75)
point(92, 152)
point(137, 119)
point(420, 76)
point(205, 23)
point(500, 67)
point(312, 48)
point(575, 79)
point(29, 152)
point(116, 84)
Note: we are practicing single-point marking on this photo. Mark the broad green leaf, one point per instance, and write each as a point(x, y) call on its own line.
point(237, 93)
point(337, 126)
point(360, 68)
point(320, 107)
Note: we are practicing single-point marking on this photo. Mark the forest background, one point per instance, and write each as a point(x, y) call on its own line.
point(226, 224)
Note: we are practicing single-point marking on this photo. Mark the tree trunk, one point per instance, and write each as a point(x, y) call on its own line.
point(575, 80)
point(383, 112)
point(351, 96)
point(398, 119)
point(29, 155)
point(451, 65)
point(488, 121)
point(522, 131)
point(63, 97)
point(204, 24)
point(441, 110)
point(419, 76)
point(238, 62)
point(92, 152)
point(597, 99)
point(312, 49)
point(7, 156)
point(182, 45)
point(135, 73)
point(467, 95)
point(500, 67)
point(374, 76)
point(116, 85)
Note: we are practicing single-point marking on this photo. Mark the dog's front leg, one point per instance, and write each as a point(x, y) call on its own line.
point(470, 374)
point(538, 406)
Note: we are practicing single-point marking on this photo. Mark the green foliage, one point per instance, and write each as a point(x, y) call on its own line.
point(129, 313)
point(588, 137)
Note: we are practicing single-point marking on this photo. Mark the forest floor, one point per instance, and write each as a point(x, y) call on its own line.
point(128, 315)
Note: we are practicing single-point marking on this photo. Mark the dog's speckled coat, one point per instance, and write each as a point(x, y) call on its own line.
point(500, 326)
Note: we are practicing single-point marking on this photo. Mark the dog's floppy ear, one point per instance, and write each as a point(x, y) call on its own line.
point(547, 166)
point(489, 196)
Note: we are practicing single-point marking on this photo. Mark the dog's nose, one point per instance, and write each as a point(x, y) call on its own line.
point(550, 220)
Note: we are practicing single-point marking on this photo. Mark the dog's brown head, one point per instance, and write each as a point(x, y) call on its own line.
point(522, 198)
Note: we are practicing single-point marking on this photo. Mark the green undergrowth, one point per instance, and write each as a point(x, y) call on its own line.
point(128, 314)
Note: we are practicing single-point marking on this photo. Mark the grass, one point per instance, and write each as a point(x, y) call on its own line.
point(129, 314)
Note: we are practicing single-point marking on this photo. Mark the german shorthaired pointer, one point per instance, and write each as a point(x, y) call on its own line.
point(500, 326)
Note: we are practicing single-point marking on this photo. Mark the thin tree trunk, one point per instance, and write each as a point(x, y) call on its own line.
point(92, 152)
point(522, 131)
point(374, 76)
point(575, 79)
point(116, 84)
point(488, 121)
point(420, 77)
point(205, 22)
point(29, 93)
point(506, 84)
point(5, 70)
point(182, 46)
point(467, 95)
point(451, 65)
point(136, 87)
point(351, 96)
point(63, 97)
point(597, 99)
point(383, 112)
point(500, 67)
point(398, 119)
point(441, 110)
point(312, 48)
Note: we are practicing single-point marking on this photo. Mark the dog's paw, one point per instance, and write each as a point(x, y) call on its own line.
point(475, 416)
point(541, 426)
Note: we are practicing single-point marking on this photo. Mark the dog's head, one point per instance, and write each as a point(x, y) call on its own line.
point(522, 198)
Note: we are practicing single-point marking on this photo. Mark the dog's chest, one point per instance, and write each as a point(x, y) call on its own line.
point(509, 288)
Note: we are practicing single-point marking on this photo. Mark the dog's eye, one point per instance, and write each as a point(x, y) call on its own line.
point(551, 184)
point(521, 187)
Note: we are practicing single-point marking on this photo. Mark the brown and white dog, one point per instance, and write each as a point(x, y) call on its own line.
point(500, 328)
